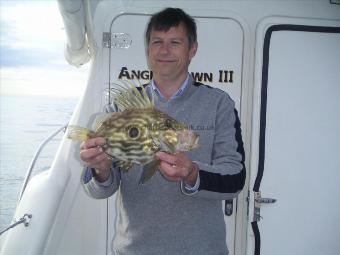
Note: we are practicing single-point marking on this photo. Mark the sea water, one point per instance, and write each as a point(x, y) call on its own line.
point(25, 121)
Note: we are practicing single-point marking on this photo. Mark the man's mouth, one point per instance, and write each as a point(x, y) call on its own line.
point(166, 60)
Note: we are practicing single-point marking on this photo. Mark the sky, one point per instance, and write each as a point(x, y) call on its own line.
point(32, 44)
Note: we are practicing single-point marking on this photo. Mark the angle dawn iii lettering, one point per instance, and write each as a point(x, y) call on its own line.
point(223, 76)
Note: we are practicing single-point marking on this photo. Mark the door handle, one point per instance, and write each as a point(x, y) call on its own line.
point(228, 207)
point(258, 200)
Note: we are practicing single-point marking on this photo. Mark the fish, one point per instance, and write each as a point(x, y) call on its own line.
point(137, 131)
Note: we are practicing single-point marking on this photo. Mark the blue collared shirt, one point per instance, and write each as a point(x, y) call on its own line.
point(178, 93)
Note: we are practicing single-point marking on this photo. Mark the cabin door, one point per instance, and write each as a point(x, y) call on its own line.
point(296, 135)
point(218, 63)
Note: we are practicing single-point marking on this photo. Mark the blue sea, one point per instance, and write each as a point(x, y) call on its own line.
point(25, 121)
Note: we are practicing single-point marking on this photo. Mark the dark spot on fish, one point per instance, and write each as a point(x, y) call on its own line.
point(168, 123)
point(133, 132)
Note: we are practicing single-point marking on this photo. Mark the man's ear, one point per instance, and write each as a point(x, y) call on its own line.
point(193, 50)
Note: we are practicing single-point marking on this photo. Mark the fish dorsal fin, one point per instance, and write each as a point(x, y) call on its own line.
point(127, 96)
point(100, 118)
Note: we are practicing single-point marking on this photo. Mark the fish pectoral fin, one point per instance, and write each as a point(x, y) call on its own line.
point(148, 171)
point(162, 145)
point(167, 147)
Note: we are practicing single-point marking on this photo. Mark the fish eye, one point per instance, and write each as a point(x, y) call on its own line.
point(133, 132)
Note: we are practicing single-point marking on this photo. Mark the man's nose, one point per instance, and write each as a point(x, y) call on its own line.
point(165, 48)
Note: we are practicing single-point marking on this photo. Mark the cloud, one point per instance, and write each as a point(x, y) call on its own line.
point(32, 51)
point(31, 57)
point(31, 24)
point(42, 82)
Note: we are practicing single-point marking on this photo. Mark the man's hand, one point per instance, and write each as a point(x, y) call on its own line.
point(94, 157)
point(178, 167)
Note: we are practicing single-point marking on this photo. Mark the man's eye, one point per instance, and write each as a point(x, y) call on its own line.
point(175, 42)
point(156, 42)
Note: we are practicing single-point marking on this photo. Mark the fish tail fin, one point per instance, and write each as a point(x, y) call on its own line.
point(78, 133)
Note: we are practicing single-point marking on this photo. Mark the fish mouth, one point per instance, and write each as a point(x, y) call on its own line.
point(196, 140)
point(187, 140)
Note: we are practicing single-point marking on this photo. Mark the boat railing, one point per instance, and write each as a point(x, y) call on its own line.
point(23, 220)
point(36, 156)
point(27, 217)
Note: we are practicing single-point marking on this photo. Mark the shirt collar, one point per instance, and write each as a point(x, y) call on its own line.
point(178, 93)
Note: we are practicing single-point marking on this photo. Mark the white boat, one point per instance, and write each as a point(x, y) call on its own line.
point(278, 60)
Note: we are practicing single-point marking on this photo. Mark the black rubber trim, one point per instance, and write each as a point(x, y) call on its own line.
point(257, 237)
point(263, 109)
point(264, 87)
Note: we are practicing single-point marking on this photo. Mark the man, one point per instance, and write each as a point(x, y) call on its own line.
point(179, 210)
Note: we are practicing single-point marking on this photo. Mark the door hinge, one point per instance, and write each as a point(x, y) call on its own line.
point(258, 200)
point(116, 40)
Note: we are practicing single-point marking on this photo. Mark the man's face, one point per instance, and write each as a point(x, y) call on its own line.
point(169, 53)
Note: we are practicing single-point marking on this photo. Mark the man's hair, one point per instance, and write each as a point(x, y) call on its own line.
point(172, 17)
